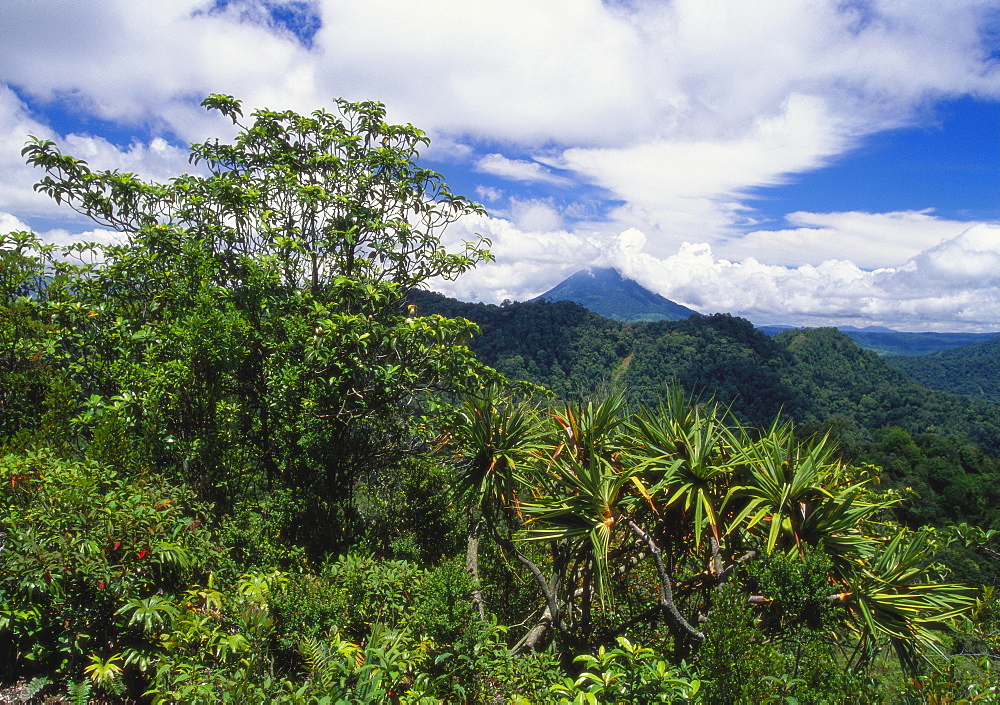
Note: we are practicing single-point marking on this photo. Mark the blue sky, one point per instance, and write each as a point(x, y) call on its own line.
point(812, 162)
point(950, 162)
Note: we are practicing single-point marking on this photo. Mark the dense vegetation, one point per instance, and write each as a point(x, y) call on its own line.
point(816, 377)
point(237, 464)
point(970, 369)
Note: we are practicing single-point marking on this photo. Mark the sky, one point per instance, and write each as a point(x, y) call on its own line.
point(799, 162)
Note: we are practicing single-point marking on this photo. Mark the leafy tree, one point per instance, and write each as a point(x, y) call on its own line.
point(319, 196)
point(248, 330)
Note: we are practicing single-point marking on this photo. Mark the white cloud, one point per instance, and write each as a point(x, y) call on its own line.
point(10, 224)
point(680, 187)
point(535, 215)
point(871, 240)
point(968, 262)
point(518, 170)
point(62, 237)
point(954, 285)
point(59, 236)
point(571, 72)
point(488, 193)
point(527, 262)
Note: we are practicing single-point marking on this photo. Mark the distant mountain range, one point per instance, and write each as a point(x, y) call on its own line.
point(891, 343)
point(606, 292)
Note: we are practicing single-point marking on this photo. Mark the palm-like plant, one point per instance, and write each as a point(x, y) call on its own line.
point(586, 510)
point(496, 435)
point(693, 449)
point(594, 487)
point(594, 508)
point(895, 594)
point(586, 429)
point(599, 487)
point(784, 483)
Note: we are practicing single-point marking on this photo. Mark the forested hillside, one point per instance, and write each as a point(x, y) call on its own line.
point(817, 377)
point(970, 369)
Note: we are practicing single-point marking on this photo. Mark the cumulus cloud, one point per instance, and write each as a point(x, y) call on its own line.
point(17, 179)
point(10, 224)
point(871, 240)
point(63, 237)
point(580, 73)
point(954, 285)
point(58, 236)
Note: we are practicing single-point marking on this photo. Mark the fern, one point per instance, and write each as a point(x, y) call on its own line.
point(323, 670)
point(35, 686)
point(79, 693)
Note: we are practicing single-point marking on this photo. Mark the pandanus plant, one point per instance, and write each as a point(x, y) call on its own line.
point(685, 487)
point(496, 436)
point(600, 485)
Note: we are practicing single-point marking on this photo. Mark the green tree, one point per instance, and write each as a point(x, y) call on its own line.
point(248, 331)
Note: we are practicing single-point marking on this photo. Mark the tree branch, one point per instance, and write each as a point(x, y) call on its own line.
point(666, 592)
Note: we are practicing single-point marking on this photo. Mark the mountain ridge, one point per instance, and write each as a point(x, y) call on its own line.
point(815, 376)
point(606, 292)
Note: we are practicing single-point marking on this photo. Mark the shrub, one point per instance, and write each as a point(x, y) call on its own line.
point(735, 658)
point(81, 543)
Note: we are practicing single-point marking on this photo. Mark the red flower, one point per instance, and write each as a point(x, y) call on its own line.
point(143, 553)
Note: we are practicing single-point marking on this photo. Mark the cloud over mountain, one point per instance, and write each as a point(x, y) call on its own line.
point(953, 285)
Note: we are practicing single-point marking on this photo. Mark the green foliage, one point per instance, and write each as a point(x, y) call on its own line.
point(380, 671)
point(684, 488)
point(736, 659)
point(494, 675)
point(628, 674)
point(442, 609)
point(23, 376)
point(407, 512)
point(950, 479)
point(353, 593)
point(214, 650)
point(797, 593)
point(91, 558)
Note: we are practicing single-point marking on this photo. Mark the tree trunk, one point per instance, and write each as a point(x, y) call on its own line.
point(472, 564)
